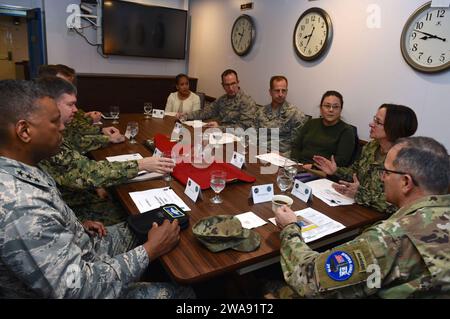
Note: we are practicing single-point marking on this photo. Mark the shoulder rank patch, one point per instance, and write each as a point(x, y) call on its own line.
point(344, 266)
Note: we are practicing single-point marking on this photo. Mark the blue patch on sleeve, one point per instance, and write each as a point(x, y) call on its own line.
point(339, 266)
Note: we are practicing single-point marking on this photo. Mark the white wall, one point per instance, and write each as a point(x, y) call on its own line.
point(364, 64)
point(66, 47)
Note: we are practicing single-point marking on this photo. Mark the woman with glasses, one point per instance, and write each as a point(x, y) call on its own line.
point(327, 135)
point(361, 181)
point(183, 100)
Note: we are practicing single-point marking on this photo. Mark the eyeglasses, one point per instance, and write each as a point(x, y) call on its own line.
point(376, 121)
point(383, 170)
point(229, 84)
point(331, 106)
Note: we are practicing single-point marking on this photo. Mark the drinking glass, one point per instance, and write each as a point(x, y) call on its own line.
point(182, 117)
point(168, 177)
point(284, 181)
point(218, 180)
point(243, 141)
point(148, 108)
point(115, 111)
point(291, 167)
point(133, 128)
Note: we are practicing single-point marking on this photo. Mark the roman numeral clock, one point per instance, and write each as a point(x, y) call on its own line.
point(425, 40)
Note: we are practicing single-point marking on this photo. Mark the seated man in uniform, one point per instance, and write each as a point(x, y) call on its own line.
point(77, 176)
point(405, 256)
point(282, 115)
point(45, 251)
point(233, 109)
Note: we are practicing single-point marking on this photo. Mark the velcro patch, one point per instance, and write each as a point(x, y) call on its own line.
point(343, 266)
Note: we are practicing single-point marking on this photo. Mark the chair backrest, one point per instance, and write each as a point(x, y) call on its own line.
point(358, 146)
point(202, 97)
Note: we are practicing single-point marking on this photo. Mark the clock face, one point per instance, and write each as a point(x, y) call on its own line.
point(243, 35)
point(312, 34)
point(425, 41)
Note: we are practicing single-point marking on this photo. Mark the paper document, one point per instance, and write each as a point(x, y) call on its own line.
point(275, 159)
point(322, 189)
point(108, 116)
point(142, 175)
point(315, 225)
point(250, 220)
point(154, 198)
point(171, 113)
point(222, 138)
point(195, 123)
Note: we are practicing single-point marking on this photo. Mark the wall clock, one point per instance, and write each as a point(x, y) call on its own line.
point(425, 40)
point(243, 35)
point(312, 34)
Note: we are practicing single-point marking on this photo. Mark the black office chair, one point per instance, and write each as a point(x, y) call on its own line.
point(358, 146)
point(202, 97)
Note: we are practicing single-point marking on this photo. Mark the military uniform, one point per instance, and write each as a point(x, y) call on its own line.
point(82, 135)
point(411, 250)
point(237, 111)
point(371, 189)
point(77, 177)
point(47, 253)
point(287, 118)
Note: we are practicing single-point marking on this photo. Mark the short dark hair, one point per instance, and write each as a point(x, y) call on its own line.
point(427, 161)
point(179, 77)
point(227, 72)
point(47, 70)
point(55, 86)
point(17, 101)
point(400, 121)
point(333, 93)
point(277, 78)
point(66, 70)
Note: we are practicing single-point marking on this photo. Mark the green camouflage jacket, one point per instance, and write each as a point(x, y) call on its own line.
point(82, 135)
point(45, 251)
point(405, 256)
point(287, 119)
point(371, 188)
point(238, 111)
point(75, 173)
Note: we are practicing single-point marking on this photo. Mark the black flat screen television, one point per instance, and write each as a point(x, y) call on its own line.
point(133, 29)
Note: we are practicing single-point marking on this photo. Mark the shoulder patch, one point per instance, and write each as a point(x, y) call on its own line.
point(344, 266)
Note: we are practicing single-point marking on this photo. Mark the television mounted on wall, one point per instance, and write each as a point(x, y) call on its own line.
point(132, 29)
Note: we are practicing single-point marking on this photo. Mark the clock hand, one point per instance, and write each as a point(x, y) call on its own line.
point(309, 39)
point(430, 36)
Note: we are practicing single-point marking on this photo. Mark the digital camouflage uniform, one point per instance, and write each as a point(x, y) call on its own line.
point(77, 177)
point(371, 189)
point(46, 253)
point(411, 249)
point(237, 111)
point(287, 118)
point(84, 136)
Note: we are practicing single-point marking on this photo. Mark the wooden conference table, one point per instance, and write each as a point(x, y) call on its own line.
point(190, 261)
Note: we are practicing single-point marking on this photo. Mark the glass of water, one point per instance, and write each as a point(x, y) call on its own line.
point(291, 167)
point(284, 181)
point(218, 180)
point(133, 128)
point(115, 111)
point(148, 108)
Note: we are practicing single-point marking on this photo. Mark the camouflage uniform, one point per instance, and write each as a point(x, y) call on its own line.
point(82, 135)
point(371, 189)
point(46, 252)
point(238, 111)
point(78, 176)
point(287, 119)
point(411, 249)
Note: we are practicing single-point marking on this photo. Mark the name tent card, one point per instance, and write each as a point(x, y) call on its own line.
point(237, 160)
point(262, 193)
point(193, 190)
point(302, 191)
point(175, 136)
point(159, 114)
point(157, 152)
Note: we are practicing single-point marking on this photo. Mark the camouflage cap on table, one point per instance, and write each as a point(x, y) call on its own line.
point(221, 232)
